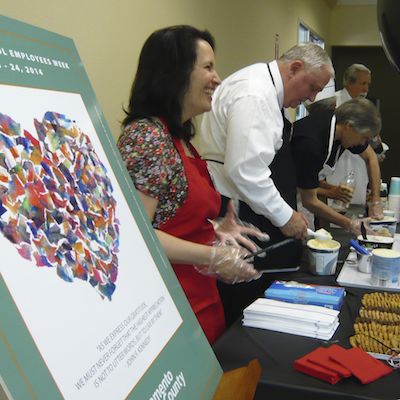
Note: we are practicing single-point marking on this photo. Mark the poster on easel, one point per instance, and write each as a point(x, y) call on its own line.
point(90, 307)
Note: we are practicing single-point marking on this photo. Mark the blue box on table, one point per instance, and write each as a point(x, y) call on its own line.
point(304, 293)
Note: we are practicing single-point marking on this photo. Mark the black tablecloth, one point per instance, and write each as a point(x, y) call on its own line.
point(276, 351)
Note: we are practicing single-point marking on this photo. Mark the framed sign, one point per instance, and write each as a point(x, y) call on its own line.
point(90, 306)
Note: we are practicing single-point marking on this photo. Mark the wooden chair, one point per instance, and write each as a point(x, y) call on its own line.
point(240, 383)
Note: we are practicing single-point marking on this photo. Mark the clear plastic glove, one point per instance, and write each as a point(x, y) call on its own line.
point(375, 210)
point(227, 264)
point(355, 226)
point(230, 231)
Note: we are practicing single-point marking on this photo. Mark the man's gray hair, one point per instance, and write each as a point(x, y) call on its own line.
point(350, 74)
point(361, 114)
point(312, 55)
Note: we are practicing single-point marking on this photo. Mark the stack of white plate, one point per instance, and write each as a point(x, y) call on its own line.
point(297, 319)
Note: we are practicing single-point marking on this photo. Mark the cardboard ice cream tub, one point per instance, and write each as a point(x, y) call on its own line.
point(384, 227)
point(376, 242)
point(385, 268)
point(323, 256)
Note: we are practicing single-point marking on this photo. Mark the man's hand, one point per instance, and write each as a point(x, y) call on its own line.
point(296, 226)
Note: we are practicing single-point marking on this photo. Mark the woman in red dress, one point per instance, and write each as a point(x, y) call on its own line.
point(174, 82)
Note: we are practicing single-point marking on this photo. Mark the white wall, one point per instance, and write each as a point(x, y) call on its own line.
point(110, 34)
point(354, 26)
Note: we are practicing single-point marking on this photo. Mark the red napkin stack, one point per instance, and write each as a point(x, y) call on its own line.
point(334, 363)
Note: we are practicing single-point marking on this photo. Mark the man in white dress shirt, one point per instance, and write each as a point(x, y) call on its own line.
point(356, 82)
point(243, 135)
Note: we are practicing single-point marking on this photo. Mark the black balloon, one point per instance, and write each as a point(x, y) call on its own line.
point(389, 28)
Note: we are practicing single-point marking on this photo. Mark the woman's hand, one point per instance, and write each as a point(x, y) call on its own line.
point(230, 231)
point(354, 226)
point(227, 264)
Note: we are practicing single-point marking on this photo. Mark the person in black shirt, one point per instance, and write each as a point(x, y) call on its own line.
point(318, 142)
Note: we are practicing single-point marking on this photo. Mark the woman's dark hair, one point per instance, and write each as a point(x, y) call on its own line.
point(163, 77)
point(327, 104)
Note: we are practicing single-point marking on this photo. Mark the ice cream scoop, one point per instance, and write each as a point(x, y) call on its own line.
point(320, 234)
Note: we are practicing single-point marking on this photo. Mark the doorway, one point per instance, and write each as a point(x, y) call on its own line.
point(385, 89)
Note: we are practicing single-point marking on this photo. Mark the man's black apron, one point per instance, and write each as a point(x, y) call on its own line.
point(283, 174)
point(236, 297)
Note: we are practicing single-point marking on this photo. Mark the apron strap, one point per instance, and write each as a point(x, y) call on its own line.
point(216, 161)
point(331, 138)
point(326, 169)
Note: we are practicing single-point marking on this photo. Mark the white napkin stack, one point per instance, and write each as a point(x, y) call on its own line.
point(298, 319)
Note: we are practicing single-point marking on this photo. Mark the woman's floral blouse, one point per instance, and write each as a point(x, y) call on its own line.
point(154, 165)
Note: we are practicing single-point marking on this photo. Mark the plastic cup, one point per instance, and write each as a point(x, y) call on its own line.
point(395, 185)
point(394, 204)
